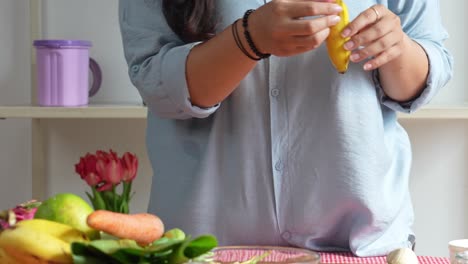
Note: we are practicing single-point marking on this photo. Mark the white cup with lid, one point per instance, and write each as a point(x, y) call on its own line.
point(457, 246)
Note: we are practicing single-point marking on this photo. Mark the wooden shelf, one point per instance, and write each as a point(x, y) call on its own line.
point(91, 111)
point(438, 112)
point(433, 112)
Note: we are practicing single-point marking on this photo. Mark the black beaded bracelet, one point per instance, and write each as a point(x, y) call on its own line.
point(239, 44)
point(248, 37)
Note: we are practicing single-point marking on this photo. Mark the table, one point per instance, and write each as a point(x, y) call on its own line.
point(345, 257)
point(229, 255)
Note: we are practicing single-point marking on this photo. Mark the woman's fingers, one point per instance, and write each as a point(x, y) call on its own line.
point(308, 9)
point(372, 33)
point(368, 17)
point(306, 43)
point(383, 58)
point(375, 34)
point(275, 26)
point(306, 27)
point(384, 43)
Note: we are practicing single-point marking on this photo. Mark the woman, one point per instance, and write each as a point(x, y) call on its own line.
point(281, 149)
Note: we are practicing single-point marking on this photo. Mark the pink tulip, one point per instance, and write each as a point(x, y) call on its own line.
point(80, 167)
point(105, 170)
point(86, 168)
point(130, 165)
point(106, 156)
point(93, 179)
point(109, 168)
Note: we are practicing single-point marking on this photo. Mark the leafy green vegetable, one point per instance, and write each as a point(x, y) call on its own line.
point(173, 248)
point(84, 254)
point(175, 234)
point(110, 246)
point(199, 246)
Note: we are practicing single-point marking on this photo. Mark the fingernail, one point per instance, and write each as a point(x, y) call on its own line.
point(355, 57)
point(337, 8)
point(334, 19)
point(346, 33)
point(349, 45)
point(367, 66)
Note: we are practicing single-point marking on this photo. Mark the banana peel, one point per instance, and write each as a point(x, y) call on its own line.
point(335, 42)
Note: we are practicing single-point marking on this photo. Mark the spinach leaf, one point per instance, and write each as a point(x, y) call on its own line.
point(174, 248)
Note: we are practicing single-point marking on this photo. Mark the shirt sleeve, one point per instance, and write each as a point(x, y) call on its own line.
point(421, 21)
point(156, 60)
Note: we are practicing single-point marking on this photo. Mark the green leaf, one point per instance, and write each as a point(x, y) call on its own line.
point(83, 253)
point(178, 255)
point(110, 246)
point(86, 260)
point(173, 248)
point(163, 244)
point(175, 233)
point(200, 246)
point(79, 249)
point(126, 257)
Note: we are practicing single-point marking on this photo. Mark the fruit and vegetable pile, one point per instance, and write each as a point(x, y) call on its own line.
point(66, 229)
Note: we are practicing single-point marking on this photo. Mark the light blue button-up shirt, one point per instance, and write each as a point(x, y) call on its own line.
point(297, 155)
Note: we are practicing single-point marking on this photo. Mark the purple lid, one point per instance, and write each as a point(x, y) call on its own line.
point(61, 43)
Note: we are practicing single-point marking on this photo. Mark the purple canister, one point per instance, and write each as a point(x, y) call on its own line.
point(62, 72)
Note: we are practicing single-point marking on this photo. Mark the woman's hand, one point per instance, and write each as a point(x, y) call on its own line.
point(403, 65)
point(278, 27)
point(376, 33)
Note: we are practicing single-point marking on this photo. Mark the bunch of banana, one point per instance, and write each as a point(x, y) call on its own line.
point(5, 258)
point(335, 42)
point(38, 241)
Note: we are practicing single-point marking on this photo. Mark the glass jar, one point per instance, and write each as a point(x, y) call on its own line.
point(461, 257)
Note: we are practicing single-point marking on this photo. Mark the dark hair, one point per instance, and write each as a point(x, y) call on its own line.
point(191, 20)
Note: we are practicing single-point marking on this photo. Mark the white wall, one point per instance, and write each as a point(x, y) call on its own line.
point(15, 169)
point(439, 176)
point(453, 17)
point(439, 183)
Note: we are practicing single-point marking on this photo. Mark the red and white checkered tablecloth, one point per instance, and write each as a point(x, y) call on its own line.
point(345, 257)
point(230, 256)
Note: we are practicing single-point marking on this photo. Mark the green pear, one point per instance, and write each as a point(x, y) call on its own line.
point(70, 209)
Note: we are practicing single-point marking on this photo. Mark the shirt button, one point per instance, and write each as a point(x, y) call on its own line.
point(275, 92)
point(135, 68)
point(278, 166)
point(286, 235)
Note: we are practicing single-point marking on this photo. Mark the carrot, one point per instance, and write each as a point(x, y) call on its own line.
point(144, 228)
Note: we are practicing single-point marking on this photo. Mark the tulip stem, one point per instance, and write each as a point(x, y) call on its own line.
point(127, 188)
point(96, 199)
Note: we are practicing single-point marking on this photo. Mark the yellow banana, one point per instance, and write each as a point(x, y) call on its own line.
point(338, 55)
point(61, 231)
point(40, 241)
point(7, 259)
point(18, 257)
point(25, 243)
